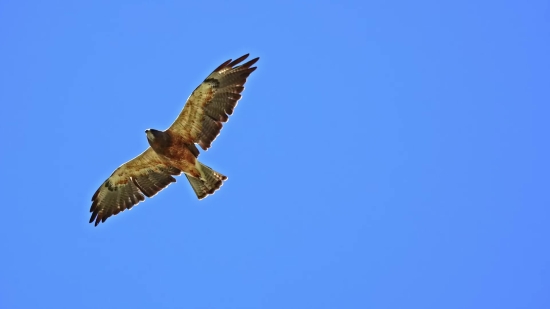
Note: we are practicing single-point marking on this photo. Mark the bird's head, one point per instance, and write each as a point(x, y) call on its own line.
point(157, 138)
point(150, 133)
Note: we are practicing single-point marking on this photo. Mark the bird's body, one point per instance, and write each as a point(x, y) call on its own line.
point(173, 151)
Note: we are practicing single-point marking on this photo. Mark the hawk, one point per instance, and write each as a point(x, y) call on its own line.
point(173, 151)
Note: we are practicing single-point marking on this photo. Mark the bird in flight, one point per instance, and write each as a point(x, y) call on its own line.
point(173, 151)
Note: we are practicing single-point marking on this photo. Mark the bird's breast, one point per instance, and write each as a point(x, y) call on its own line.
point(179, 156)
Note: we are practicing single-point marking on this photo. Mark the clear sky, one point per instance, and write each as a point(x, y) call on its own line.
point(385, 154)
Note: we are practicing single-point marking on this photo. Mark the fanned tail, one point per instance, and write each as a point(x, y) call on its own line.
point(208, 183)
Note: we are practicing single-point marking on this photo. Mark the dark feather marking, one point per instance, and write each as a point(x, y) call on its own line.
point(212, 81)
point(194, 149)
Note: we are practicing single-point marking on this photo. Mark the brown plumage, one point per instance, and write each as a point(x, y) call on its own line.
point(173, 151)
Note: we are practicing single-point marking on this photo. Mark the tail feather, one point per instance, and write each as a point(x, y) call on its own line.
point(208, 183)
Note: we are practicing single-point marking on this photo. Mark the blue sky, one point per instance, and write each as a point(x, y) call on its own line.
point(385, 154)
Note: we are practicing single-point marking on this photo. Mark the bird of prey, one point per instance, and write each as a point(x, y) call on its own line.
point(173, 151)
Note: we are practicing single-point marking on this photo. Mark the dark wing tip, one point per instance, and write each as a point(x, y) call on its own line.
point(231, 63)
point(223, 65)
point(251, 63)
point(238, 60)
point(96, 193)
point(95, 217)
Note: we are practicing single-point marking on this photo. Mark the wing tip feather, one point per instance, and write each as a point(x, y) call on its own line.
point(251, 63)
point(231, 63)
point(238, 60)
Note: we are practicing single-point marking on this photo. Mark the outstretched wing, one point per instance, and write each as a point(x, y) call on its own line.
point(145, 174)
point(212, 102)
